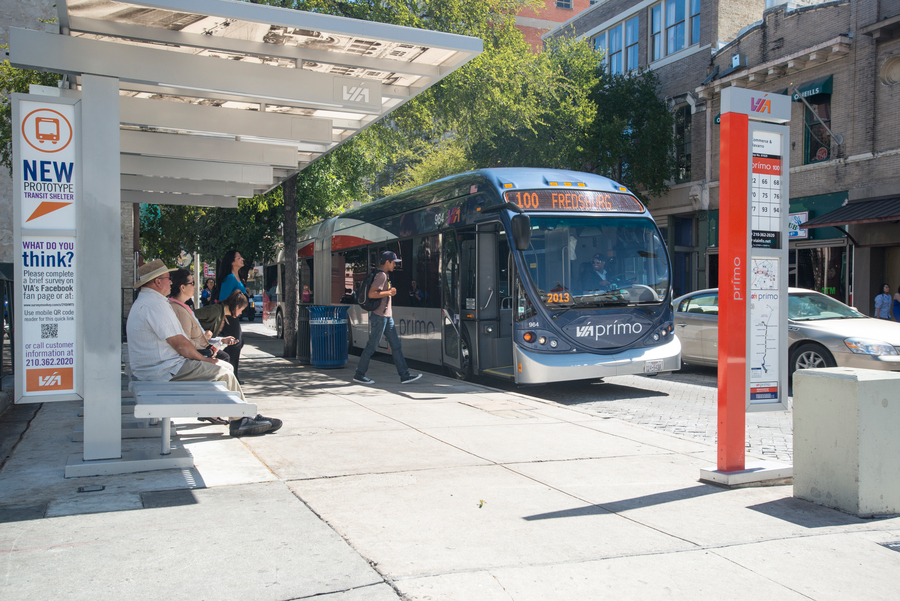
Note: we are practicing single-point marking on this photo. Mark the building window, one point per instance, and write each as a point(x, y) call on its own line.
point(656, 33)
point(615, 51)
point(683, 144)
point(672, 28)
point(620, 47)
point(695, 22)
point(631, 44)
point(600, 46)
point(817, 140)
point(675, 25)
point(564, 4)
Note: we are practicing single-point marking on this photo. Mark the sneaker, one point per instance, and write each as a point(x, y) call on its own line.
point(276, 423)
point(410, 378)
point(247, 426)
point(362, 380)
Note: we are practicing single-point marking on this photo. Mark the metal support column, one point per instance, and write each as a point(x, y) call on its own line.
point(99, 267)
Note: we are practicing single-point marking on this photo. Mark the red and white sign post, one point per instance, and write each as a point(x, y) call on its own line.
point(753, 240)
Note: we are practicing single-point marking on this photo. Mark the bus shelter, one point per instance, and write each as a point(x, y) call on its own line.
point(186, 102)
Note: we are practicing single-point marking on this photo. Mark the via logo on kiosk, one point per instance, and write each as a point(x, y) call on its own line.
point(760, 105)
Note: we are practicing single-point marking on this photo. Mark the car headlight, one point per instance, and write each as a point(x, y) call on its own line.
point(867, 346)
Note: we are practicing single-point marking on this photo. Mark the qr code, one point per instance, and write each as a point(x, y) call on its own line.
point(49, 330)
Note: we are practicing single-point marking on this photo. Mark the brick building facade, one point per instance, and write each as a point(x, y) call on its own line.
point(534, 23)
point(843, 58)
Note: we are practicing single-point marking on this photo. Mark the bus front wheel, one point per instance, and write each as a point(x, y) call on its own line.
point(279, 325)
point(465, 359)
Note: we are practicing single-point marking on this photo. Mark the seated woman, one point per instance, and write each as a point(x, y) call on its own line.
point(182, 290)
point(212, 317)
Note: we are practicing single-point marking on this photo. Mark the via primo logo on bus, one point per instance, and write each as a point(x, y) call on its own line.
point(612, 329)
point(760, 105)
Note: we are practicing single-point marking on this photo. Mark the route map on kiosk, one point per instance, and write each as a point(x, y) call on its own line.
point(764, 329)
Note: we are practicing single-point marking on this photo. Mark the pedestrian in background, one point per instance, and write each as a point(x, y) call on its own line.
point(381, 323)
point(895, 308)
point(228, 278)
point(883, 303)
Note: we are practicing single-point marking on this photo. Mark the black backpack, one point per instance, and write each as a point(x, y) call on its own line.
point(362, 293)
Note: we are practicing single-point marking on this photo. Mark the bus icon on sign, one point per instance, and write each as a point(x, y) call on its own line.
point(46, 128)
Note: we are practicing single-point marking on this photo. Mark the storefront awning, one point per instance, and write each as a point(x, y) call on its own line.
point(870, 211)
point(823, 85)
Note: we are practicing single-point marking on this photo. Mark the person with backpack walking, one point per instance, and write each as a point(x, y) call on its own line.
point(377, 299)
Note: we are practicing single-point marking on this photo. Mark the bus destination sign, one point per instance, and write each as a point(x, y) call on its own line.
point(574, 200)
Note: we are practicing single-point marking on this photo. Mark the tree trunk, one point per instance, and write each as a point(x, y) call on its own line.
point(291, 283)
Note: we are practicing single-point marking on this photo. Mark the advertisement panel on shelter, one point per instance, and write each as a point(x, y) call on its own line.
point(45, 175)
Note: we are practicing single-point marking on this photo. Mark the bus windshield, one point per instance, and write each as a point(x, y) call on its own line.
point(596, 261)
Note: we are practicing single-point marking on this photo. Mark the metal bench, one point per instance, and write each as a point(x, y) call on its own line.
point(165, 400)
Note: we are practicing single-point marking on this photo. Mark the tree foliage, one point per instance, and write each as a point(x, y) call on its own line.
point(633, 133)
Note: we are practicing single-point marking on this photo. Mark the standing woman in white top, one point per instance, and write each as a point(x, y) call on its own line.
point(883, 303)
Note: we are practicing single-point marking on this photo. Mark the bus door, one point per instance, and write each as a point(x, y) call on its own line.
point(493, 304)
point(458, 300)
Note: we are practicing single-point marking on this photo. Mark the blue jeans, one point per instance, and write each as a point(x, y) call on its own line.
point(379, 326)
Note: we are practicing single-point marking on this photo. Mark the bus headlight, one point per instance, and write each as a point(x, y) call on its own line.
point(554, 343)
point(542, 340)
point(529, 337)
point(661, 334)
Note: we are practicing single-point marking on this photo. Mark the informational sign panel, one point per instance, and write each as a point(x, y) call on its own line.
point(765, 191)
point(46, 153)
point(767, 355)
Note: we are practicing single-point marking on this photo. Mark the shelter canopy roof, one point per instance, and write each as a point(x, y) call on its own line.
point(294, 84)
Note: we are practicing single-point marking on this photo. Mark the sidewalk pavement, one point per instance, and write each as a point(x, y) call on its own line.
point(433, 490)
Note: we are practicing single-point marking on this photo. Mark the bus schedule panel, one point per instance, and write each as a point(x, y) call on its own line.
point(574, 200)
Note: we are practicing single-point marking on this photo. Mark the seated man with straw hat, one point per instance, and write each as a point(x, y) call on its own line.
point(159, 350)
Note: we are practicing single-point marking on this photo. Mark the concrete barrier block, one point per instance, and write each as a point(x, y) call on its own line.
point(846, 437)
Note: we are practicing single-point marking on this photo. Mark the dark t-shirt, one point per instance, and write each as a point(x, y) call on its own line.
point(381, 282)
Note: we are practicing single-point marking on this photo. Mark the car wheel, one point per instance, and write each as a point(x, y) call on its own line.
point(809, 355)
point(279, 325)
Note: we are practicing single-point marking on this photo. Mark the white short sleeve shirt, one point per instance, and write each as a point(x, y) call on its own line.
point(150, 322)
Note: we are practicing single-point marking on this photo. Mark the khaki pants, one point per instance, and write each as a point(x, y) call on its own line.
point(200, 371)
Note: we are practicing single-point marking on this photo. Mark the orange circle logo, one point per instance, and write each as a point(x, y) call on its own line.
point(46, 130)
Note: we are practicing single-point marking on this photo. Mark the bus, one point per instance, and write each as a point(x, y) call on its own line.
point(529, 275)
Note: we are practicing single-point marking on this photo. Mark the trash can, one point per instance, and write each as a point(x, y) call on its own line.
point(328, 333)
point(304, 354)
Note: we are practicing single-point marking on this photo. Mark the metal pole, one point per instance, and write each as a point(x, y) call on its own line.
point(199, 284)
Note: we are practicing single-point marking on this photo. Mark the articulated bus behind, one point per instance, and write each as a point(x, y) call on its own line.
point(531, 275)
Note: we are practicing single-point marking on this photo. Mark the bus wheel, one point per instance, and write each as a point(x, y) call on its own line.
point(279, 325)
point(465, 359)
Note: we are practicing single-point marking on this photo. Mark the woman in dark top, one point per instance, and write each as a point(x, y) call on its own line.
point(229, 280)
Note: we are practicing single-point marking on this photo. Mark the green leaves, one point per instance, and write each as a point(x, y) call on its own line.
point(633, 134)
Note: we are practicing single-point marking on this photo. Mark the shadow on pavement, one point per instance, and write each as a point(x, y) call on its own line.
point(670, 496)
point(806, 514)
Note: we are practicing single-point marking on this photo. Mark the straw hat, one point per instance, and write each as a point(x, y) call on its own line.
point(150, 271)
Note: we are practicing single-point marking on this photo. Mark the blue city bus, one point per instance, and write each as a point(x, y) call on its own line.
point(499, 275)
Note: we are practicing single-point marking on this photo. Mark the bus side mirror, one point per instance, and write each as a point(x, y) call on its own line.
point(520, 226)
